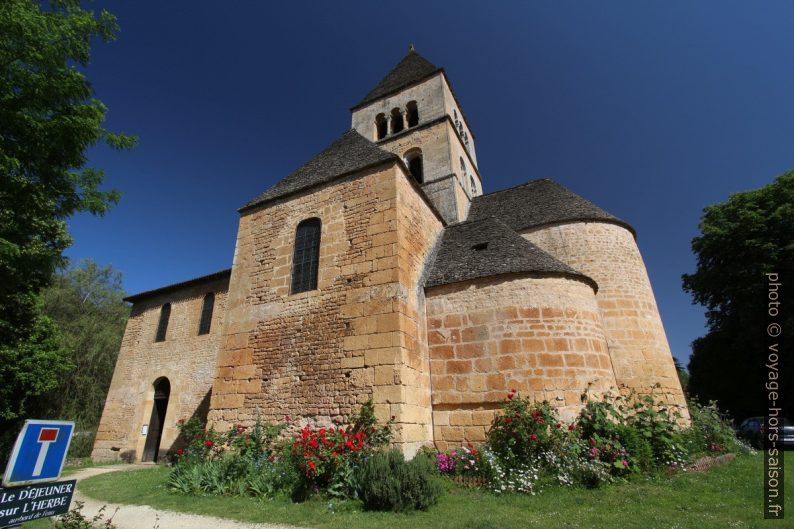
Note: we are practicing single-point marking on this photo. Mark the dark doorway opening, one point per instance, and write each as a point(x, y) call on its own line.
point(162, 390)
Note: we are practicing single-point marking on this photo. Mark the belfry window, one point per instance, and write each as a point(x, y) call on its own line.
point(462, 166)
point(162, 325)
point(473, 185)
point(413, 114)
point(396, 121)
point(306, 256)
point(206, 314)
point(413, 159)
point(381, 126)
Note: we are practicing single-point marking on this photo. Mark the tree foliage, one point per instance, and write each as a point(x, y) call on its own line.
point(86, 302)
point(741, 239)
point(48, 119)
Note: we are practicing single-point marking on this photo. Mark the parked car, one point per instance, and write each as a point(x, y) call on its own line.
point(752, 429)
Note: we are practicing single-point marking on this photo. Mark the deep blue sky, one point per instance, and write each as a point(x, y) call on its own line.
point(652, 110)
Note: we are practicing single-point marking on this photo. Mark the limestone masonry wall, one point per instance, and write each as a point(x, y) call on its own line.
point(637, 342)
point(185, 358)
point(541, 336)
point(318, 355)
point(429, 102)
point(442, 179)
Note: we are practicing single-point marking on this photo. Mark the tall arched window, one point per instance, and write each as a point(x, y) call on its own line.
point(413, 159)
point(462, 166)
point(162, 325)
point(396, 121)
point(413, 114)
point(306, 257)
point(381, 126)
point(473, 185)
point(206, 314)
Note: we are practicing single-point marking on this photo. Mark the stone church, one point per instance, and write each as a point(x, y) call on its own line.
point(380, 270)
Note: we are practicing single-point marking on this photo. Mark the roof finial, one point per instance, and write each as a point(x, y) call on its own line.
point(411, 47)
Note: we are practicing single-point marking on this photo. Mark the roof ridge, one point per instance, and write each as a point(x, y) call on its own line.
point(178, 284)
point(535, 181)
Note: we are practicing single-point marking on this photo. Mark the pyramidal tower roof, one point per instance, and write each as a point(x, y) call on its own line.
point(411, 69)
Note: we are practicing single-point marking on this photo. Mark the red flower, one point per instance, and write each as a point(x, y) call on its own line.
point(334, 454)
point(514, 390)
point(533, 437)
point(510, 396)
point(572, 427)
point(313, 443)
point(508, 420)
point(312, 465)
point(179, 451)
point(208, 444)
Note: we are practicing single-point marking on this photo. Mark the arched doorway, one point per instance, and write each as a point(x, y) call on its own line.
point(162, 390)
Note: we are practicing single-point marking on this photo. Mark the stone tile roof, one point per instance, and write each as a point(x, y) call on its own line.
point(176, 286)
point(411, 69)
point(487, 247)
point(351, 152)
point(537, 203)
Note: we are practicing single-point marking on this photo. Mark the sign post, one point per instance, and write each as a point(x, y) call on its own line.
point(28, 491)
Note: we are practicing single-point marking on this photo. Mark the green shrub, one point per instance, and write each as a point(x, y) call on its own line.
point(711, 430)
point(523, 430)
point(386, 482)
point(640, 451)
point(325, 459)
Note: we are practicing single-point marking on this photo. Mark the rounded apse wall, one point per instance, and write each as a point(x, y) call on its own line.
point(638, 346)
point(539, 335)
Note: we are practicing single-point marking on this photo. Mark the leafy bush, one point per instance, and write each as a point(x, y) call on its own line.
point(459, 462)
point(386, 482)
point(232, 475)
point(659, 424)
point(74, 519)
point(241, 461)
point(522, 431)
point(325, 458)
point(711, 431)
point(528, 448)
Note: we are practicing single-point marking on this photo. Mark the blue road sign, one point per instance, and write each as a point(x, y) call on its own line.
point(39, 453)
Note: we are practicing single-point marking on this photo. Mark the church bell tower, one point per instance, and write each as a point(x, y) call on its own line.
point(414, 113)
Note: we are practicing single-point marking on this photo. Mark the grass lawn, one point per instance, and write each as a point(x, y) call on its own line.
point(726, 496)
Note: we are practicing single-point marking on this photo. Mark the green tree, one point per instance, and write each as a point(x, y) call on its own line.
point(48, 119)
point(86, 302)
point(741, 240)
point(683, 374)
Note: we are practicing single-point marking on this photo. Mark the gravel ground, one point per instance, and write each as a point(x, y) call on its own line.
point(144, 517)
